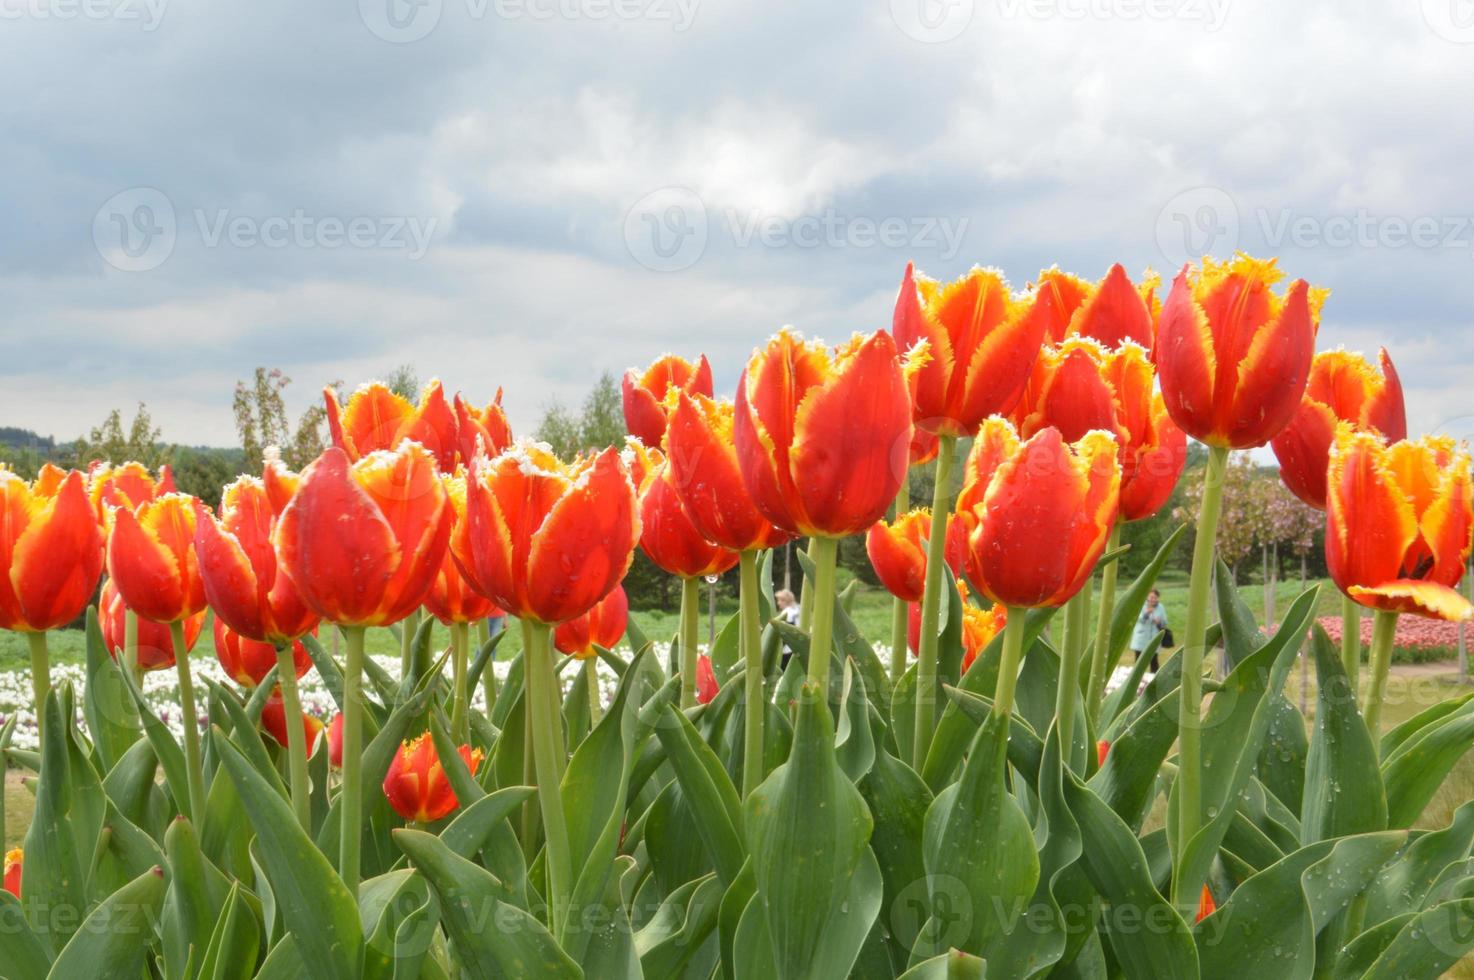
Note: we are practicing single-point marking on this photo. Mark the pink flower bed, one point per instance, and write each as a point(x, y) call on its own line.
point(1418, 638)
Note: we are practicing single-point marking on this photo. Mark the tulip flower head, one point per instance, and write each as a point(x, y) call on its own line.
point(335, 741)
point(451, 599)
point(483, 430)
point(1102, 749)
point(979, 345)
point(1080, 385)
point(1343, 387)
point(706, 680)
point(1233, 354)
point(1038, 512)
point(50, 550)
point(897, 551)
point(603, 625)
point(1206, 905)
point(274, 721)
point(706, 474)
point(1113, 311)
point(363, 541)
point(377, 418)
point(1398, 522)
point(13, 860)
point(124, 485)
point(247, 661)
point(646, 394)
point(543, 539)
point(151, 558)
point(668, 535)
point(238, 564)
point(979, 626)
point(155, 646)
point(416, 785)
point(823, 438)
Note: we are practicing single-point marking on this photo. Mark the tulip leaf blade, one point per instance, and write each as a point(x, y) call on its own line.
point(112, 720)
point(24, 955)
point(1415, 771)
point(1343, 786)
point(107, 945)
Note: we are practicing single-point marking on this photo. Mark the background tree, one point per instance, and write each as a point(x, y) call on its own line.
point(109, 443)
point(261, 419)
point(403, 381)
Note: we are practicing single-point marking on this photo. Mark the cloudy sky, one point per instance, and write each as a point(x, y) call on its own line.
point(523, 193)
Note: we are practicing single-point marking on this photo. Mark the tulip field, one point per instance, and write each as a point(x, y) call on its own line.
point(368, 780)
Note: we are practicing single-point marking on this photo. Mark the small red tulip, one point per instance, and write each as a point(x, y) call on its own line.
point(13, 860)
point(124, 485)
point(645, 395)
point(898, 552)
point(706, 680)
point(823, 439)
point(363, 541)
point(50, 550)
point(1038, 512)
point(151, 558)
point(1233, 355)
point(1102, 749)
point(335, 741)
point(603, 625)
point(246, 661)
point(274, 721)
point(708, 478)
point(155, 645)
point(668, 536)
point(1398, 523)
point(1206, 905)
point(416, 785)
point(1343, 387)
point(543, 539)
point(979, 626)
point(451, 599)
point(376, 418)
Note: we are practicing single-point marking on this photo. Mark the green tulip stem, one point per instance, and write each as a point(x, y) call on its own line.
point(591, 684)
point(1008, 666)
point(899, 611)
point(754, 693)
point(40, 675)
point(931, 601)
point(407, 627)
point(690, 621)
point(821, 632)
point(1384, 633)
point(460, 720)
point(351, 789)
point(1194, 635)
point(1096, 679)
point(286, 671)
point(130, 647)
point(488, 675)
point(538, 670)
point(806, 596)
point(530, 814)
point(1351, 641)
point(1068, 688)
point(194, 769)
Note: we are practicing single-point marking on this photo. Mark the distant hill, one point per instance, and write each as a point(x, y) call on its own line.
point(25, 439)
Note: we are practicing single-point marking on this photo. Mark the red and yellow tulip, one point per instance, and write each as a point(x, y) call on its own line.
point(247, 661)
point(1398, 522)
point(823, 439)
point(897, 551)
point(1113, 311)
point(647, 395)
point(151, 558)
point(14, 858)
point(706, 475)
point(416, 785)
point(669, 537)
point(50, 550)
point(603, 625)
point(1233, 354)
point(1343, 387)
point(979, 345)
point(377, 418)
point(1039, 512)
point(979, 626)
point(238, 563)
point(362, 541)
point(706, 681)
point(451, 599)
point(125, 485)
point(274, 721)
point(155, 647)
point(543, 539)
point(484, 430)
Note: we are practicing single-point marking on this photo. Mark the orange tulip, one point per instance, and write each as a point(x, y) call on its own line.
point(376, 418)
point(13, 860)
point(246, 661)
point(1038, 512)
point(645, 395)
point(151, 558)
point(483, 430)
point(416, 785)
point(603, 625)
point(546, 540)
point(1206, 905)
point(1343, 387)
point(979, 346)
point(979, 626)
point(670, 538)
point(125, 485)
point(50, 550)
point(238, 564)
point(704, 469)
point(1080, 385)
point(274, 720)
point(897, 551)
point(823, 440)
point(1398, 522)
point(706, 680)
point(363, 541)
point(155, 647)
point(1233, 355)
point(335, 741)
point(451, 599)
point(1112, 311)
point(1102, 749)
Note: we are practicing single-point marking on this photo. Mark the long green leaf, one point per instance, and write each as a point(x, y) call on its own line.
point(1343, 786)
point(113, 943)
